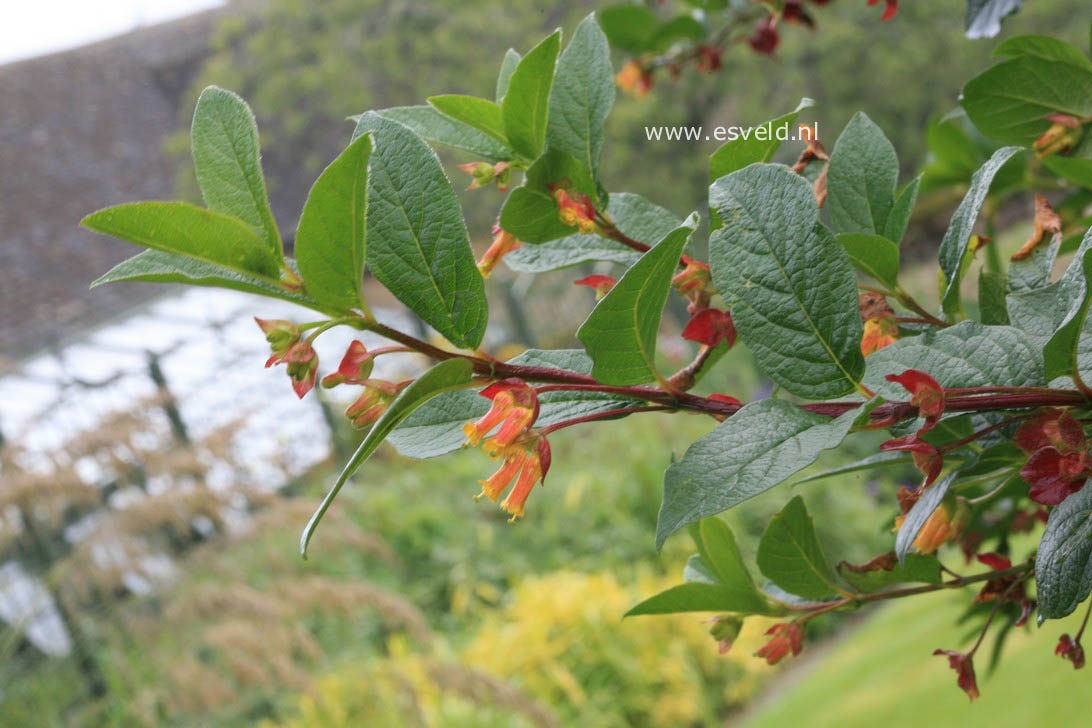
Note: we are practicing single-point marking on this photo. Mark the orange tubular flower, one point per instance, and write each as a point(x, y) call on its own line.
point(787, 637)
point(575, 210)
point(504, 243)
point(515, 407)
point(530, 459)
point(634, 79)
point(355, 368)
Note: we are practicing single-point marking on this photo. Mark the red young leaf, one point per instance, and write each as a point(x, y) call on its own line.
point(926, 457)
point(964, 667)
point(710, 326)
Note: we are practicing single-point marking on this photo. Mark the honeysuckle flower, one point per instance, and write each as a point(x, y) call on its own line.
point(372, 402)
point(575, 209)
point(355, 367)
point(504, 243)
point(1070, 649)
point(302, 365)
point(963, 664)
point(694, 283)
point(878, 333)
point(485, 173)
point(765, 37)
point(529, 458)
point(280, 334)
point(1064, 134)
point(925, 393)
point(889, 11)
point(710, 327)
point(944, 525)
point(515, 407)
point(634, 79)
point(787, 637)
point(601, 283)
point(926, 457)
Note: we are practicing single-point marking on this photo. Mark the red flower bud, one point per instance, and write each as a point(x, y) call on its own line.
point(485, 174)
point(356, 366)
point(602, 284)
point(708, 59)
point(765, 37)
point(372, 403)
point(794, 12)
point(710, 326)
point(963, 664)
point(925, 393)
point(725, 630)
point(1069, 649)
point(1051, 428)
point(302, 367)
point(281, 335)
point(787, 637)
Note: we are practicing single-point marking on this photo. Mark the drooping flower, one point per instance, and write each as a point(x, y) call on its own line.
point(1070, 649)
point(372, 402)
point(963, 664)
point(504, 243)
point(944, 525)
point(355, 367)
point(765, 37)
point(485, 173)
point(1064, 133)
point(302, 366)
point(529, 458)
point(281, 335)
point(925, 393)
point(1007, 588)
point(515, 407)
point(787, 637)
point(574, 209)
point(710, 327)
point(694, 283)
point(601, 283)
point(634, 79)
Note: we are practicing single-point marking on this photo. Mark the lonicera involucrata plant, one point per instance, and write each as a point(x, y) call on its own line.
point(988, 398)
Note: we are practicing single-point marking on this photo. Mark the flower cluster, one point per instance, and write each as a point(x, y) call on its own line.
point(1058, 460)
point(298, 356)
point(787, 638)
point(356, 368)
point(574, 208)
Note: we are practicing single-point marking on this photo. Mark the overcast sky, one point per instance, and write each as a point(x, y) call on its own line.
point(35, 27)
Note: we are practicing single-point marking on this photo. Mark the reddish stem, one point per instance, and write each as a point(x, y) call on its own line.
point(606, 415)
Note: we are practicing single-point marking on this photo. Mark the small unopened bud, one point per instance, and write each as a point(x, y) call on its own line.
point(1064, 134)
point(725, 629)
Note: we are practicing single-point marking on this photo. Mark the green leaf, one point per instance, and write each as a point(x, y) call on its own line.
point(418, 245)
point(750, 452)
point(879, 460)
point(532, 216)
point(330, 240)
point(582, 96)
point(224, 141)
point(919, 514)
point(620, 333)
point(916, 567)
point(629, 27)
point(984, 16)
point(1033, 272)
point(968, 354)
point(482, 114)
point(1041, 46)
point(431, 125)
point(1060, 351)
point(861, 178)
point(899, 219)
point(698, 596)
point(178, 227)
point(954, 245)
point(436, 428)
point(992, 290)
point(1042, 311)
point(447, 375)
point(526, 103)
point(874, 255)
point(788, 282)
point(1010, 101)
point(679, 27)
point(634, 215)
point(1063, 564)
point(736, 154)
point(790, 556)
point(156, 266)
point(721, 554)
point(508, 67)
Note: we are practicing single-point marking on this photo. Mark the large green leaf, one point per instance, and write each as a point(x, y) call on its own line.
point(954, 245)
point(620, 333)
point(532, 216)
point(431, 125)
point(736, 154)
point(901, 211)
point(1042, 311)
point(790, 556)
point(984, 16)
point(1063, 564)
point(1010, 101)
point(873, 254)
point(747, 454)
point(504, 77)
point(968, 354)
point(992, 290)
point(634, 215)
point(698, 596)
point(447, 375)
point(526, 102)
point(919, 514)
point(861, 178)
point(418, 245)
point(789, 283)
point(224, 141)
point(1041, 46)
point(582, 95)
point(629, 27)
point(178, 227)
point(156, 266)
point(1033, 272)
point(1060, 352)
point(330, 237)
point(916, 567)
point(482, 114)
point(719, 551)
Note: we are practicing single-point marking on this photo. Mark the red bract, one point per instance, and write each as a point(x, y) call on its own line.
point(765, 37)
point(302, 366)
point(1070, 649)
point(1054, 476)
point(515, 407)
point(576, 209)
point(787, 637)
point(281, 335)
point(601, 283)
point(964, 667)
point(710, 327)
point(925, 393)
point(889, 11)
point(926, 457)
point(1051, 427)
point(355, 367)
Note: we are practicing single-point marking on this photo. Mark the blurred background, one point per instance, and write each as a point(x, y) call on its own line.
point(154, 477)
